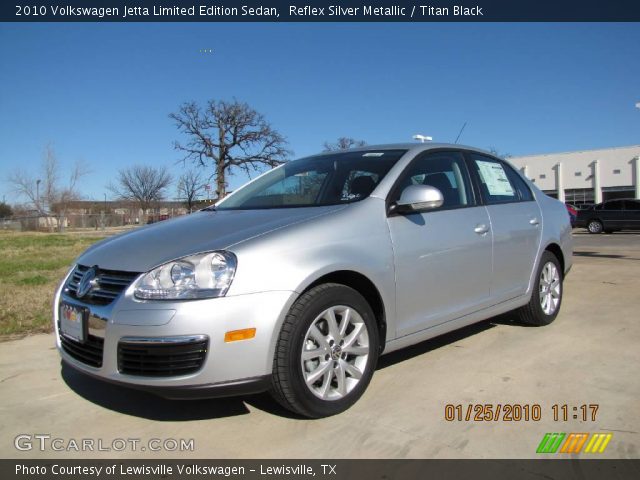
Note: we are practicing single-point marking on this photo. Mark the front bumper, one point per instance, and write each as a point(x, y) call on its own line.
point(228, 368)
point(236, 388)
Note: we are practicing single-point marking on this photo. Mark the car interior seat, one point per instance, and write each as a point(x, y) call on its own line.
point(362, 186)
point(442, 183)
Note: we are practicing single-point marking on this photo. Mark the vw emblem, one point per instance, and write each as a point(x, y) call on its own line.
point(87, 282)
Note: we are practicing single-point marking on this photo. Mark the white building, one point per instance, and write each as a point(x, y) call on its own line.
point(587, 176)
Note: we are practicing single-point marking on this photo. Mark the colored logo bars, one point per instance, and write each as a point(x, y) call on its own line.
point(573, 442)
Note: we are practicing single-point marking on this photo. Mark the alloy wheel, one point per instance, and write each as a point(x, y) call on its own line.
point(595, 227)
point(550, 288)
point(335, 352)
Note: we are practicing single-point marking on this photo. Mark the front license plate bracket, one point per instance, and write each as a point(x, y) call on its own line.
point(73, 321)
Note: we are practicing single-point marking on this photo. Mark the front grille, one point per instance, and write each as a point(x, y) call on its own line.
point(89, 352)
point(110, 284)
point(161, 359)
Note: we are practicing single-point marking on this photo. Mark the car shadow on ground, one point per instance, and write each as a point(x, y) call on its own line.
point(146, 405)
point(583, 253)
point(441, 341)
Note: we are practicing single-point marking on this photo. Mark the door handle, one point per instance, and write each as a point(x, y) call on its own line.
point(534, 221)
point(481, 229)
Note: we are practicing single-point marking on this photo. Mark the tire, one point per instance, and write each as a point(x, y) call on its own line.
point(595, 226)
point(325, 382)
point(536, 312)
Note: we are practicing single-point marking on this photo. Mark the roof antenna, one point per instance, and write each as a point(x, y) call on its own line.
point(422, 138)
point(460, 132)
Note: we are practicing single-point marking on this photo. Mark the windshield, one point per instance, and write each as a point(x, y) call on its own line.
point(331, 179)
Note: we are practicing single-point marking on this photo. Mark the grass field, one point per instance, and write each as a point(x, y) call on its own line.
point(31, 267)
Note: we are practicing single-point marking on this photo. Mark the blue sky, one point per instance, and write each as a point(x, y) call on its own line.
point(103, 92)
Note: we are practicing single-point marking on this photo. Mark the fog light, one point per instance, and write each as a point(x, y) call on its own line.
point(236, 335)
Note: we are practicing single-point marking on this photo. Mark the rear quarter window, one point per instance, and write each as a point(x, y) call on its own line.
point(521, 187)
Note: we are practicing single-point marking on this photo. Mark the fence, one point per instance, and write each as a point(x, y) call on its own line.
point(79, 222)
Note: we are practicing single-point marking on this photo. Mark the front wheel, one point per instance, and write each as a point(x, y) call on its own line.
point(326, 352)
point(546, 297)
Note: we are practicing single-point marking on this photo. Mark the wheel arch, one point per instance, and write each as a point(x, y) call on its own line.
point(365, 287)
point(557, 251)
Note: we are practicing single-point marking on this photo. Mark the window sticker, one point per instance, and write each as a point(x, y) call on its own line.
point(495, 178)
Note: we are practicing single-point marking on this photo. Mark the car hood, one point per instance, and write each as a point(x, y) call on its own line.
point(147, 247)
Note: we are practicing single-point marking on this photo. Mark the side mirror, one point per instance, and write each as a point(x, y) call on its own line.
point(416, 198)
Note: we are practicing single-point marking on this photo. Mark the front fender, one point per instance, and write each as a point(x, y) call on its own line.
point(354, 239)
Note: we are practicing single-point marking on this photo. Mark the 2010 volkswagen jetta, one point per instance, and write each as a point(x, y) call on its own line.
point(299, 280)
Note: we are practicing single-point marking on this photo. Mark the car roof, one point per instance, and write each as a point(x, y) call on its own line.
point(412, 147)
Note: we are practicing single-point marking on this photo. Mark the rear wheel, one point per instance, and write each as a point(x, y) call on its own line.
point(326, 352)
point(594, 226)
point(546, 297)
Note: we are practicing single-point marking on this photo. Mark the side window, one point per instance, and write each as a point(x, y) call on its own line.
point(632, 204)
point(495, 184)
point(614, 205)
point(522, 189)
point(445, 171)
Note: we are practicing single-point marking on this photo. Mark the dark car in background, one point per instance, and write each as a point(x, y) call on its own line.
point(619, 214)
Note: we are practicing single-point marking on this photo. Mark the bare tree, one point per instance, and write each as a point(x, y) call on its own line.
point(190, 185)
point(142, 185)
point(46, 192)
point(343, 143)
point(229, 135)
point(496, 152)
point(5, 210)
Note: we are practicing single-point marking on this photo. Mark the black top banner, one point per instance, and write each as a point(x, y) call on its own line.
point(320, 11)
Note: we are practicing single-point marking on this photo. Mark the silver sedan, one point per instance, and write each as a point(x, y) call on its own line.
point(297, 282)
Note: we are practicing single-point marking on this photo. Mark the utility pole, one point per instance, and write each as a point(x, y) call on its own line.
point(38, 195)
point(102, 214)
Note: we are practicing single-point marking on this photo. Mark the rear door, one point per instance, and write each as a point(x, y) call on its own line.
point(515, 222)
point(631, 214)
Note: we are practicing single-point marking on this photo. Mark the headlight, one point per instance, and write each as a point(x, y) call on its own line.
point(205, 275)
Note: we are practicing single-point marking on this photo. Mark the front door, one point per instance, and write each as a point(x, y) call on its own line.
point(612, 214)
point(442, 256)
